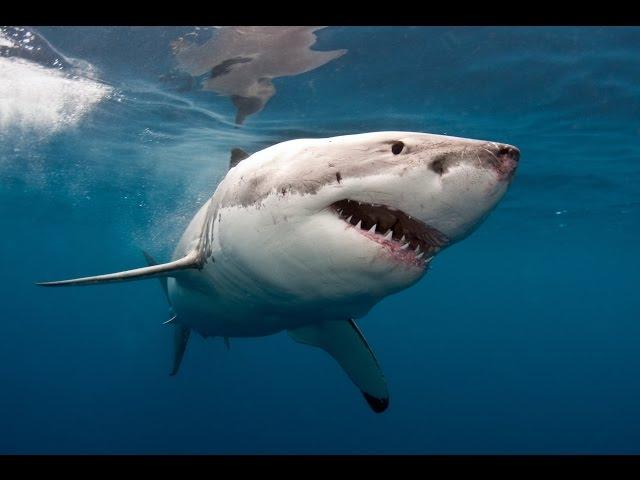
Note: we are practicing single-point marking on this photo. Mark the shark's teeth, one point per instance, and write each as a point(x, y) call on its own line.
point(407, 234)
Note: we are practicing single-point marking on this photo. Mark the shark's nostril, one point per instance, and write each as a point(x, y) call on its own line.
point(509, 152)
point(438, 166)
point(503, 159)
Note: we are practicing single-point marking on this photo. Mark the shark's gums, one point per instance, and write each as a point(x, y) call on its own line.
point(308, 235)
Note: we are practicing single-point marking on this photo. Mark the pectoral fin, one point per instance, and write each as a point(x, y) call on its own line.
point(190, 261)
point(346, 344)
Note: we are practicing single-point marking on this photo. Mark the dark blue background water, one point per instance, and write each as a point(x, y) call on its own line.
point(524, 338)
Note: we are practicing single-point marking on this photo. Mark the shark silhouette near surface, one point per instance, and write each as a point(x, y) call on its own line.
point(241, 62)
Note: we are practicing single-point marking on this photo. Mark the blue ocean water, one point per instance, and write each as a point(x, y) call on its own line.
point(522, 339)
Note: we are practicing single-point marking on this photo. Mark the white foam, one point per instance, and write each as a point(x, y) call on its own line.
point(43, 99)
point(5, 42)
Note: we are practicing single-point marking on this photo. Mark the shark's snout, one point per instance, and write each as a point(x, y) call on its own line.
point(502, 158)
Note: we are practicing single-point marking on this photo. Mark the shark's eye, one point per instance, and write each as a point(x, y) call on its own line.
point(397, 147)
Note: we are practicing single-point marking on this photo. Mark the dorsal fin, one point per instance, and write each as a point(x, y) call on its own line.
point(237, 155)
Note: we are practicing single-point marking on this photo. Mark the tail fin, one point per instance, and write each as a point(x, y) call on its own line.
point(190, 261)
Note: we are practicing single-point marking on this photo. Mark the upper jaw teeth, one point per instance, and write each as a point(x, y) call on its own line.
point(388, 236)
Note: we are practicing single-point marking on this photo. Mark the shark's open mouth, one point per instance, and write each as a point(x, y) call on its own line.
point(405, 237)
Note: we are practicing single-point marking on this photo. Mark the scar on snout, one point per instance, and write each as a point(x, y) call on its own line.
point(338, 177)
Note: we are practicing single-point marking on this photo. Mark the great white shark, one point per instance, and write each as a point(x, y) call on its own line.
point(308, 235)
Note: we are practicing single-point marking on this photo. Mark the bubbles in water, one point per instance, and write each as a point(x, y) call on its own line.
point(35, 99)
